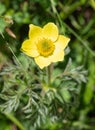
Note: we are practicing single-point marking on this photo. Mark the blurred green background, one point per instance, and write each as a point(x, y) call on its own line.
point(78, 19)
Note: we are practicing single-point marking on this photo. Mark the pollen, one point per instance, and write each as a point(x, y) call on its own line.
point(45, 47)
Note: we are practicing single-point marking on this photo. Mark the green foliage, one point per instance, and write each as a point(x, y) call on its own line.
point(69, 101)
point(2, 9)
point(22, 91)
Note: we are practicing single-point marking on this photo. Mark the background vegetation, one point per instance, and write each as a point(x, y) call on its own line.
point(76, 19)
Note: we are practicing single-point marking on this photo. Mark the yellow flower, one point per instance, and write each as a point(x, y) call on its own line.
point(45, 45)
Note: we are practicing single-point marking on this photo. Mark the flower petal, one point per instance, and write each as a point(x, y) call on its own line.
point(58, 55)
point(34, 31)
point(50, 31)
point(62, 42)
point(29, 48)
point(42, 61)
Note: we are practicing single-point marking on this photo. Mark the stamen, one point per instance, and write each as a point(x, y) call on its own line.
point(45, 47)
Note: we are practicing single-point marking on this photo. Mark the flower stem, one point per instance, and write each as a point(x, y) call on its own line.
point(49, 74)
point(15, 121)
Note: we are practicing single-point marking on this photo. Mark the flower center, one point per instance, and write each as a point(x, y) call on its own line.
point(45, 47)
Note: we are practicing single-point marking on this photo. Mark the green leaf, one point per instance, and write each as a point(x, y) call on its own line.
point(2, 8)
